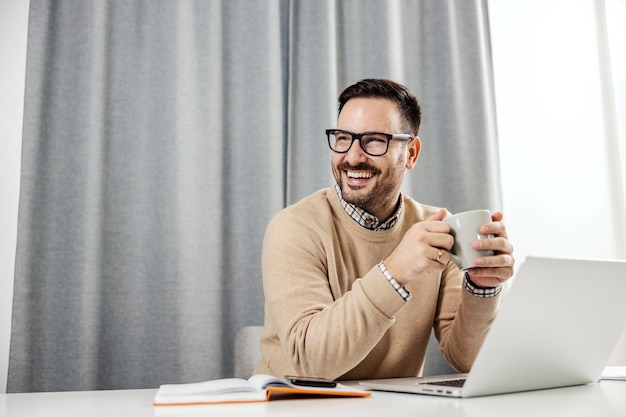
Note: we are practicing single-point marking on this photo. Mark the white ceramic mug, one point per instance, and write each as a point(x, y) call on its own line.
point(464, 228)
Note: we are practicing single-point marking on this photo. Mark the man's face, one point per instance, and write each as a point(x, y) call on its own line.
point(373, 182)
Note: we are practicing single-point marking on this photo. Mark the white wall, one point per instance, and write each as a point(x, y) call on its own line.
point(561, 172)
point(13, 31)
point(556, 164)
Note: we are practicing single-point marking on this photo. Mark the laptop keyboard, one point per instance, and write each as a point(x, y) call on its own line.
point(448, 383)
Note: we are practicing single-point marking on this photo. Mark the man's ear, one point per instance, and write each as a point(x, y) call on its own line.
point(414, 147)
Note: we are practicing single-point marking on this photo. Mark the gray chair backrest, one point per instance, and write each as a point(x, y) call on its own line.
point(247, 352)
point(435, 364)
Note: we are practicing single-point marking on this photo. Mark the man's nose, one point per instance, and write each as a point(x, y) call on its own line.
point(355, 153)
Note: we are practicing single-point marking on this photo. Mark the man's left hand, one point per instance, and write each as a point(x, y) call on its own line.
point(492, 271)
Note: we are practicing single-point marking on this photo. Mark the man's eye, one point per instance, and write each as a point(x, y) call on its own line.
point(375, 140)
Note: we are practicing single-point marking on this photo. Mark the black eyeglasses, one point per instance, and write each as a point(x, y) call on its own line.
point(373, 143)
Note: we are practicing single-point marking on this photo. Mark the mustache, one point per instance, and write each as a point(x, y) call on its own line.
point(345, 166)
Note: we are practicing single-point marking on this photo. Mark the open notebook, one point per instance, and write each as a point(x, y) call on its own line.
point(257, 388)
point(557, 326)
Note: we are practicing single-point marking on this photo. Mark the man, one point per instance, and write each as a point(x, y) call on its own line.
point(356, 276)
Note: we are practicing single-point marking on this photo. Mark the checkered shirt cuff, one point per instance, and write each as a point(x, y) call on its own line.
point(399, 288)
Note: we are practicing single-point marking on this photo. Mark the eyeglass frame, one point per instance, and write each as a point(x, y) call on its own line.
point(405, 137)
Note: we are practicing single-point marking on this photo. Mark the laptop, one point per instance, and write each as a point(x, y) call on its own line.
point(557, 326)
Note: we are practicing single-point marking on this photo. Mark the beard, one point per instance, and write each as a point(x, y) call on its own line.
point(384, 193)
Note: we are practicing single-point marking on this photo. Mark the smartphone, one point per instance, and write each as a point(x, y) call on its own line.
point(311, 381)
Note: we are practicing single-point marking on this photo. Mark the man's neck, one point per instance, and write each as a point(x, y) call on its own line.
point(369, 220)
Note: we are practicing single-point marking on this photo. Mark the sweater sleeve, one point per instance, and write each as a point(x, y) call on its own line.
point(322, 331)
point(462, 320)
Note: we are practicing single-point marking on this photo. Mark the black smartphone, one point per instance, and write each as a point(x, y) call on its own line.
point(311, 381)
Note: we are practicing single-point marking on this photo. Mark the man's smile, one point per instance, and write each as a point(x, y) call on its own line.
point(358, 178)
point(360, 174)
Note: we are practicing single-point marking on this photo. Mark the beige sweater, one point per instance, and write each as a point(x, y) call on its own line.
point(330, 312)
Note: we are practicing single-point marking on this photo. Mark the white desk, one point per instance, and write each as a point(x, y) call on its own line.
point(607, 398)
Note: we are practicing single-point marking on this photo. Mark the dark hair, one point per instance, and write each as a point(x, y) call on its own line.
point(378, 88)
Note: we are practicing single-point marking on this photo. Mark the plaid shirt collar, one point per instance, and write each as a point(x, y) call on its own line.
point(367, 220)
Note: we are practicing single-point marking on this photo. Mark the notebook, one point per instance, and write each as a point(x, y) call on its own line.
point(557, 326)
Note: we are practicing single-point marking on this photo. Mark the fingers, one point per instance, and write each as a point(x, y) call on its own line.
point(433, 232)
point(502, 257)
point(497, 216)
point(490, 277)
point(434, 247)
point(499, 243)
point(496, 227)
point(485, 281)
point(493, 270)
point(438, 216)
point(498, 260)
point(442, 257)
point(496, 244)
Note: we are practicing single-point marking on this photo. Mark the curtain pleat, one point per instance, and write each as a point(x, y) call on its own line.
point(159, 139)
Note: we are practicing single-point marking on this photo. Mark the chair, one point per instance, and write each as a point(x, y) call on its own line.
point(435, 364)
point(247, 352)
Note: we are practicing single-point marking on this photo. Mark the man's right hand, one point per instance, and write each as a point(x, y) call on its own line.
point(423, 251)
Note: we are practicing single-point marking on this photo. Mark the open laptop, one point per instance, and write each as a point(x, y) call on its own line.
point(557, 326)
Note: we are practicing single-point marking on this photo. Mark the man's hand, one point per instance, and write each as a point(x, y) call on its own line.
point(493, 270)
point(423, 251)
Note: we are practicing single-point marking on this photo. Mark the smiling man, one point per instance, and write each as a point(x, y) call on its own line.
point(356, 276)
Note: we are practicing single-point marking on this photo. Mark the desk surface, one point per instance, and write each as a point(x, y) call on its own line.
point(607, 398)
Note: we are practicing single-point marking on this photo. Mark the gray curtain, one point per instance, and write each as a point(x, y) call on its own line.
point(161, 136)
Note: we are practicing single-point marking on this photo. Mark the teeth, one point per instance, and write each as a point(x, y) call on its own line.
point(360, 174)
